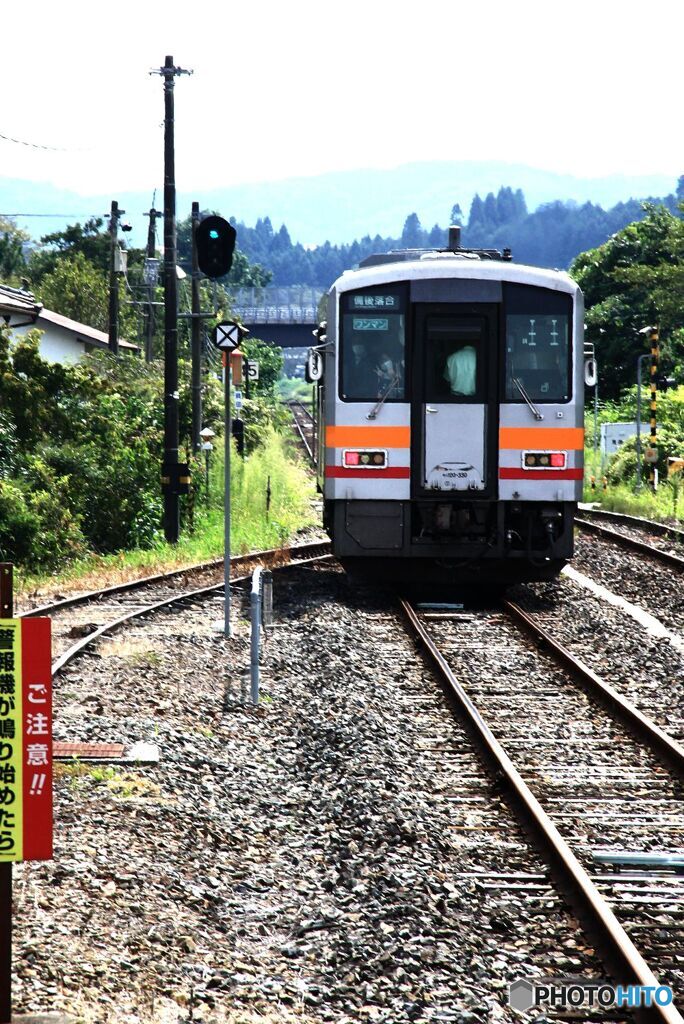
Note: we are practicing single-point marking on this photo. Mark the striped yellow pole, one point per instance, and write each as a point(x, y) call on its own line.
point(655, 354)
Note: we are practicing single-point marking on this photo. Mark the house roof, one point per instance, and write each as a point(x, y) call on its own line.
point(84, 333)
point(16, 301)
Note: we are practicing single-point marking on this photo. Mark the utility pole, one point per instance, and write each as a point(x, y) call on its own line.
point(113, 280)
point(170, 473)
point(151, 251)
point(196, 343)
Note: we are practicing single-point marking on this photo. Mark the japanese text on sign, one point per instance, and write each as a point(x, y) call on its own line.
point(374, 324)
point(384, 301)
point(25, 740)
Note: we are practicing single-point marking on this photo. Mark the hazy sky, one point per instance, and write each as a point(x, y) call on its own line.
point(279, 89)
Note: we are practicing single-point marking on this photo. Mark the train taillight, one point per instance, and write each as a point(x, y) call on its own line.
point(544, 460)
point(364, 458)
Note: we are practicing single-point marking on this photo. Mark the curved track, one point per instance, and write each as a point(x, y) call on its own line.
point(111, 607)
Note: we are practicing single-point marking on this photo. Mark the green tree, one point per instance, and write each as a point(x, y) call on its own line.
point(476, 216)
point(88, 240)
point(412, 235)
point(246, 274)
point(76, 442)
point(12, 239)
point(491, 211)
point(270, 359)
point(437, 237)
point(77, 289)
point(633, 280)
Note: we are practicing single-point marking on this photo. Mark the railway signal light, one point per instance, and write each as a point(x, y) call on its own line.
point(215, 246)
point(238, 432)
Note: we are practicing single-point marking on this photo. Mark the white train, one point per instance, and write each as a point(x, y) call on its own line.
point(450, 404)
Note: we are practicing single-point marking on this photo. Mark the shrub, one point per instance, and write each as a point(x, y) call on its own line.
point(36, 527)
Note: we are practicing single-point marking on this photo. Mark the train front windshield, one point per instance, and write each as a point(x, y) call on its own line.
point(373, 333)
point(538, 350)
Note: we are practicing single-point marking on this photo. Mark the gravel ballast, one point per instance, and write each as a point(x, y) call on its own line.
point(337, 854)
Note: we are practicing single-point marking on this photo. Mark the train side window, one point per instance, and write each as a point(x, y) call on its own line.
point(453, 359)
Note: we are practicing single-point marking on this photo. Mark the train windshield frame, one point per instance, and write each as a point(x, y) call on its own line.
point(538, 345)
point(373, 339)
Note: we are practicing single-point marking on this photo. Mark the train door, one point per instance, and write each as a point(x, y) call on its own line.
point(454, 414)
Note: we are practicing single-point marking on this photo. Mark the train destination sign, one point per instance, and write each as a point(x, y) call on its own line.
point(375, 323)
point(376, 301)
point(25, 740)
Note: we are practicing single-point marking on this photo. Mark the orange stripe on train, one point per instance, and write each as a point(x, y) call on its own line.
point(515, 438)
point(570, 438)
point(386, 437)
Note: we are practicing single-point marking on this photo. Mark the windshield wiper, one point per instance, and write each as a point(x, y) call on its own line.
point(379, 404)
point(533, 407)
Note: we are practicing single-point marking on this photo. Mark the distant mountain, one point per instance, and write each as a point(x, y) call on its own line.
point(338, 206)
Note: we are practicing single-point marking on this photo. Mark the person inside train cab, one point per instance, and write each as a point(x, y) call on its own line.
point(461, 371)
point(363, 378)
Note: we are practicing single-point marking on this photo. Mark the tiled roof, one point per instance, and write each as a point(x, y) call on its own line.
point(83, 331)
point(14, 300)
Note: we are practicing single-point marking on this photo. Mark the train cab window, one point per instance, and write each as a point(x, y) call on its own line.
point(373, 346)
point(538, 353)
point(454, 358)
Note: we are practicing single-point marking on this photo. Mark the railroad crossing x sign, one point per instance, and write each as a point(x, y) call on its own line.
point(227, 335)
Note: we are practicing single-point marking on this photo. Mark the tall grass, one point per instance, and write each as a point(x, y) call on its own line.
point(292, 496)
point(664, 504)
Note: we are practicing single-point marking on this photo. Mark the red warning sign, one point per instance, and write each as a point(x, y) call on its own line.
point(25, 740)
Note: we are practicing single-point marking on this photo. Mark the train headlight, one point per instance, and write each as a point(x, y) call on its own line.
point(544, 460)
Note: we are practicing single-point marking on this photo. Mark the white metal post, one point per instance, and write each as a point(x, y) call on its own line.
point(226, 500)
point(255, 607)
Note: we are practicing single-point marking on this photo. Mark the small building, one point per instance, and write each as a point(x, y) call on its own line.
point(63, 340)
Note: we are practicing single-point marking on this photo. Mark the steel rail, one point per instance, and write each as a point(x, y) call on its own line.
point(619, 706)
point(142, 581)
point(298, 425)
point(300, 405)
point(630, 544)
point(617, 949)
point(114, 624)
point(649, 525)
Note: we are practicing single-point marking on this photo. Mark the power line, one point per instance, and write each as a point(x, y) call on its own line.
point(35, 145)
point(48, 215)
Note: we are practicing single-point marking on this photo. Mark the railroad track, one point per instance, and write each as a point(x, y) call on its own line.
point(78, 622)
point(655, 540)
point(595, 794)
point(305, 427)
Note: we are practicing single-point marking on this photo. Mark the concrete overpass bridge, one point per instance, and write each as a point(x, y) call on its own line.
point(283, 316)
